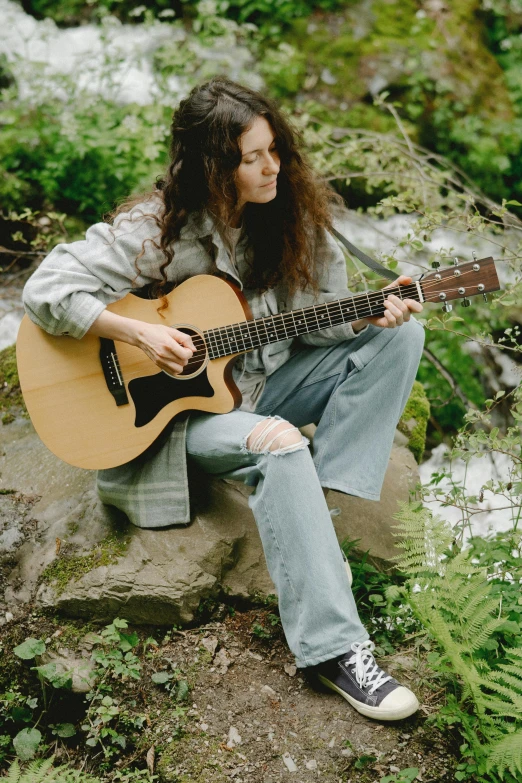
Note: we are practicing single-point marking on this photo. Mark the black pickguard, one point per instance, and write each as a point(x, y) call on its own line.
point(151, 393)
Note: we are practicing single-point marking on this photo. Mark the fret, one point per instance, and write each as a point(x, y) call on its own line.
point(283, 325)
point(325, 316)
point(316, 318)
point(299, 321)
point(260, 342)
point(212, 344)
point(271, 332)
point(245, 334)
point(233, 338)
point(264, 332)
point(296, 330)
point(219, 339)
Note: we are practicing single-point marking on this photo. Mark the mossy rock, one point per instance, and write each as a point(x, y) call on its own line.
point(414, 420)
point(71, 567)
point(11, 400)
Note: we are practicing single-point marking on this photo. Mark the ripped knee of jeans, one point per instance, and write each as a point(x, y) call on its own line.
point(274, 436)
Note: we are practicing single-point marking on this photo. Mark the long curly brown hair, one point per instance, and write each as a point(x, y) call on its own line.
point(204, 156)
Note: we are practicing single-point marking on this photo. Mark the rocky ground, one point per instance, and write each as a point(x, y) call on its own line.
point(249, 714)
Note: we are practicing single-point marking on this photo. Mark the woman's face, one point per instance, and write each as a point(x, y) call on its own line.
point(256, 175)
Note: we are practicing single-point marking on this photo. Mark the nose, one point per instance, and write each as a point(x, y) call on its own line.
point(271, 166)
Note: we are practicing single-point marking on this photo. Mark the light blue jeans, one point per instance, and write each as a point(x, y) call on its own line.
point(355, 391)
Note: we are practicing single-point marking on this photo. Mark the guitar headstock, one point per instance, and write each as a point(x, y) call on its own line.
point(460, 281)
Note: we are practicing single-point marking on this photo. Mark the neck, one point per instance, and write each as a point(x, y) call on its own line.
point(237, 219)
point(234, 220)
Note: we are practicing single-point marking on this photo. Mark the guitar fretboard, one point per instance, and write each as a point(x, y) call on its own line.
point(248, 335)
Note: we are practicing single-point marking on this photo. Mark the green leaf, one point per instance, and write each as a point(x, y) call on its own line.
point(513, 203)
point(57, 679)
point(160, 678)
point(26, 743)
point(22, 714)
point(30, 648)
point(182, 691)
point(64, 729)
point(128, 641)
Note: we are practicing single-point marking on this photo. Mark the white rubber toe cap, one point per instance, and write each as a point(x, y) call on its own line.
point(400, 703)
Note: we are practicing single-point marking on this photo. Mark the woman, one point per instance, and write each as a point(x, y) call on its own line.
point(240, 201)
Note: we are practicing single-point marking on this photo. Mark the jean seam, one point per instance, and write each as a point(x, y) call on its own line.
point(333, 415)
point(283, 561)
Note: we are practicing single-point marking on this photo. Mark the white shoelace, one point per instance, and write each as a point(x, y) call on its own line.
point(367, 673)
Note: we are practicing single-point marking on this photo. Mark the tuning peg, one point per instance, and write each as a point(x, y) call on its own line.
point(465, 302)
point(485, 297)
point(455, 261)
point(447, 307)
point(435, 264)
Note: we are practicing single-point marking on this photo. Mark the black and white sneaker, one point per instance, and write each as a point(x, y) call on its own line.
point(358, 679)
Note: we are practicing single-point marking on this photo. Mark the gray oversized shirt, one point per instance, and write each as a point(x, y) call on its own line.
point(76, 281)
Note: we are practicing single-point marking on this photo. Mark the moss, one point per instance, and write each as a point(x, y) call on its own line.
point(69, 567)
point(414, 420)
point(186, 753)
point(10, 393)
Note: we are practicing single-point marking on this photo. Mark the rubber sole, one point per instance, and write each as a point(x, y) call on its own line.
point(373, 712)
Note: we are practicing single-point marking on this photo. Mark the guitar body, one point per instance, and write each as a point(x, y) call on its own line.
point(98, 403)
point(66, 391)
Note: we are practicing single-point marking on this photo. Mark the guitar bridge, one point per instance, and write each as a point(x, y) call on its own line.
point(112, 372)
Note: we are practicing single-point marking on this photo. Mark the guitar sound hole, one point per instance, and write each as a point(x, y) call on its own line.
point(198, 359)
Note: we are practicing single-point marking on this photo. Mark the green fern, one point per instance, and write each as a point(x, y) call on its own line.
point(506, 755)
point(43, 772)
point(456, 603)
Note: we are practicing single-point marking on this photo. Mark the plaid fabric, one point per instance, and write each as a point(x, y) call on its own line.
point(75, 283)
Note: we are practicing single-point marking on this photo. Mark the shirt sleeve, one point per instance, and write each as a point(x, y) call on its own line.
point(333, 284)
point(76, 281)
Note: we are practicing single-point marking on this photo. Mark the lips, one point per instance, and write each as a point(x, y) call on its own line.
point(268, 184)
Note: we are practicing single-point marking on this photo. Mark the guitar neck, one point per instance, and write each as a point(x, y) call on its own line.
point(247, 335)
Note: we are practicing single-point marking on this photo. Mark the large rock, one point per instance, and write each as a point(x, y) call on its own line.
point(85, 560)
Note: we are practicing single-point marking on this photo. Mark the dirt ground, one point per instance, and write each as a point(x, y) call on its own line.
point(250, 716)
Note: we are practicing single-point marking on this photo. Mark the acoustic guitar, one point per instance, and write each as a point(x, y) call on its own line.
point(96, 403)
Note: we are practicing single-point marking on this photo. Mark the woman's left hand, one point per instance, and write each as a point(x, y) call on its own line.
point(397, 310)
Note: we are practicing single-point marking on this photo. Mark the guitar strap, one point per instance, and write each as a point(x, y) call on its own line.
point(363, 257)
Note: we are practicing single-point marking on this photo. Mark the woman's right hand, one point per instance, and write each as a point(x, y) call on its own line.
point(169, 348)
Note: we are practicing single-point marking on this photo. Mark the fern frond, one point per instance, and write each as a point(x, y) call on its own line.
point(480, 595)
point(39, 771)
point(423, 536)
point(510, 696)
point(514, 653)
point(506, 755)
point(516, 671)
point(13, 775)
point(476, 640)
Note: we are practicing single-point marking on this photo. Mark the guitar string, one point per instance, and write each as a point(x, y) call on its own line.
point(309, 319)
point(225, 333)
point(229, 334)
point(220, 332)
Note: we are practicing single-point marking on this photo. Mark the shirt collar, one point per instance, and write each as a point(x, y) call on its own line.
point(199, 224)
